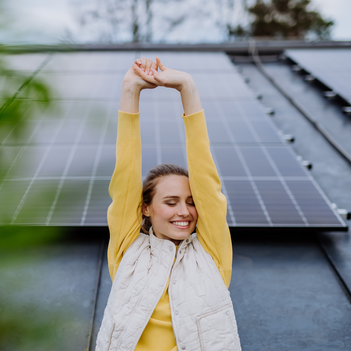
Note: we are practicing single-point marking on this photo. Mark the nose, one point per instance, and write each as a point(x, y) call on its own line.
point(183, 210)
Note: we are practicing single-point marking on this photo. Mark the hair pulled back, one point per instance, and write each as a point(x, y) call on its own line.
point(149, 187)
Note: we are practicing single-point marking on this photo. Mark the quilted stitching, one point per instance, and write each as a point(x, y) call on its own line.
point(202, 311)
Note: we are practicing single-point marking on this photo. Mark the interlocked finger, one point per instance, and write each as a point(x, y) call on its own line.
point(160, 64)
point(154, 67)
point(148, 66)
point(143, 64)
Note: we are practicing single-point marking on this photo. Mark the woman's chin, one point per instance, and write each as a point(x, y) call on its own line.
point(180, 235)
point(174, 234)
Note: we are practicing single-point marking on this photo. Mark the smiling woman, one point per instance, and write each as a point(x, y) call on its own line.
point(145, 311)
point(168, 204)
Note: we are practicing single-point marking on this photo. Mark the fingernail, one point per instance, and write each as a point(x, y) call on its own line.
point(139, 62)
point(143, 69)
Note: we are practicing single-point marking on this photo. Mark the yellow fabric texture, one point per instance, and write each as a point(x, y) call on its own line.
point(158, 334)
point(124, 213)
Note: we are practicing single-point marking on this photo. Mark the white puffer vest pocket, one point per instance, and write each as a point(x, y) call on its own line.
point(216, 330)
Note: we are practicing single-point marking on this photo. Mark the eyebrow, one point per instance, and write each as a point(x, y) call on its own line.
point(176, 197)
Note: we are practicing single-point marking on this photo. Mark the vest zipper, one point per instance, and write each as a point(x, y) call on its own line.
point(148, 319)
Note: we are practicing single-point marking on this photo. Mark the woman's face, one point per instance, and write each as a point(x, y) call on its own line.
point(172, 211)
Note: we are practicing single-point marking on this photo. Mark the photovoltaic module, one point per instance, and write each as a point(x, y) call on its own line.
point(66, 158)
point(331, 67)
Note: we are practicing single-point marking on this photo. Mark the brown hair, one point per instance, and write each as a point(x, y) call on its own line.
point(149, 185)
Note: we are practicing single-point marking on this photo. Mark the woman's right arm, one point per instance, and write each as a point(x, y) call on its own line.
point(124, 214)
point(211, 205)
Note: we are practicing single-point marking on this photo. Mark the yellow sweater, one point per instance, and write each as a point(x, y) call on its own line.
point(124, 213)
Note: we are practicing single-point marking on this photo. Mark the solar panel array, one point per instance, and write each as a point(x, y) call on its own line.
point(59, 166)
point(330, 66)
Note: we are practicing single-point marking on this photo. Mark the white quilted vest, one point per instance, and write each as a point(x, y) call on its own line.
point(201, 308)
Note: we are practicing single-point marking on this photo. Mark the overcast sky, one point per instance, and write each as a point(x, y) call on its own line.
point(47, 21)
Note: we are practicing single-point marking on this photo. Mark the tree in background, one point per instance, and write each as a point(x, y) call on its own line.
point(116, 21)
point(285, 19)
point(170, 21)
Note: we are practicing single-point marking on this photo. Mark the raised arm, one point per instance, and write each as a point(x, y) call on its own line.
point(124, 214)
point(211, 204)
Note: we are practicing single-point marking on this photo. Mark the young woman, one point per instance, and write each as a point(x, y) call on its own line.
point(170, 285)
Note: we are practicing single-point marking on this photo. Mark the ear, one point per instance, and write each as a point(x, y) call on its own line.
point(145, 210)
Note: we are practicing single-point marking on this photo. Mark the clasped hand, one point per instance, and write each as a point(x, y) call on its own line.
point(144, 75)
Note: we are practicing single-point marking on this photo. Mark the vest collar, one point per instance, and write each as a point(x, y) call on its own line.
point(157, 244)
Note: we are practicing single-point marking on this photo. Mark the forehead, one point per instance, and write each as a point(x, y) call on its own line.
point(173, 185)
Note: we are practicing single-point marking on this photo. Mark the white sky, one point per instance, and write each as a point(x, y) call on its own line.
point(339, 11)
point(45, 21)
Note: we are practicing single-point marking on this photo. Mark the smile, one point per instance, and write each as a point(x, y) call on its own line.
point(181, 224)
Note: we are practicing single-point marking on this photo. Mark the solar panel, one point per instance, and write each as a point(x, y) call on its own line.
point(331, 67)
point(24, 62)
point(66, 158)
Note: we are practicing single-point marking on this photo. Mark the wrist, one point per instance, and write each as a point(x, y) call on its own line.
point(129, 101)
point(188, 84)
point(131, 87)
point(190, 97)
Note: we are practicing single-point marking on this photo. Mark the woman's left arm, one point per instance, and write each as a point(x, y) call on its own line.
point(211, 204)
point(212, 228)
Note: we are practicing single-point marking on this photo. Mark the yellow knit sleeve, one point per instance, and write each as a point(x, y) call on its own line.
point(212, 228)
point(124, 214)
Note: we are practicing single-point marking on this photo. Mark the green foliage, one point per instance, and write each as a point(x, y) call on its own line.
point(238, 31)
point(14, 238)
point(18, 331)
point(14, 107)
point(285, 19)
point(22, 327)
point(27, 321)
point(17, 93)
point(16, 111)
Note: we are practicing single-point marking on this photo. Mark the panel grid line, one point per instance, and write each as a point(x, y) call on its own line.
point(321, 193)
point(179, 121)
point(47, 151)
point(96, 163)
point(224, 191)
point(52, 141)
point(20, 152)
point(264, 178)
point(17, 124)
point(249, 176)
point(277, 172)
point(157, 132)
point(67, 167)
point(263, 184)
point(330, 226)
point(285, 186)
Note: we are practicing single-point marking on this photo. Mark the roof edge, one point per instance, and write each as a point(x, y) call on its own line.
point(239, 47)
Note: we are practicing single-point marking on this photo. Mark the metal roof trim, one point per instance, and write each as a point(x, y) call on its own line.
point(268, 46)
